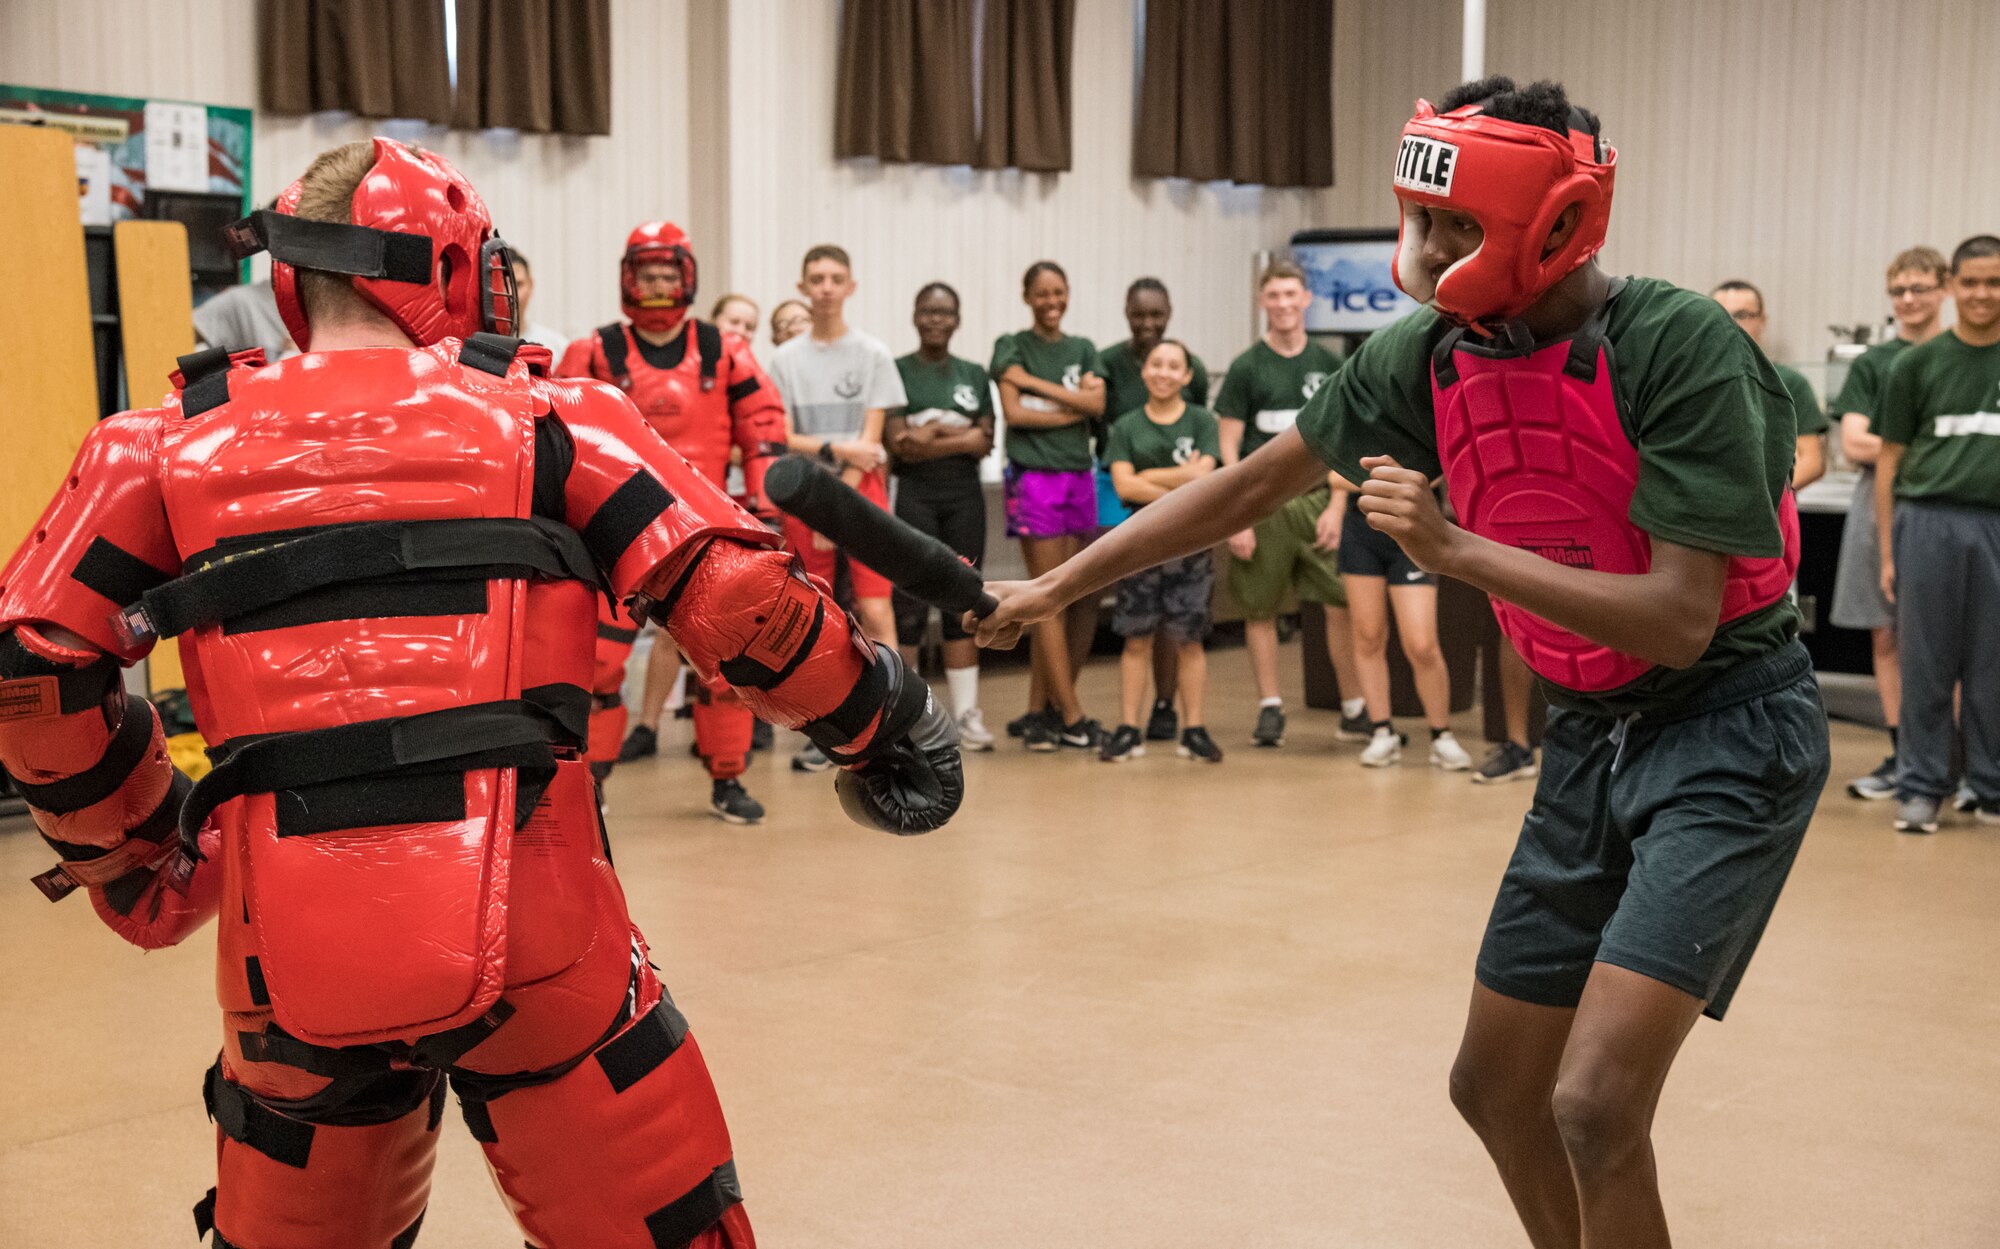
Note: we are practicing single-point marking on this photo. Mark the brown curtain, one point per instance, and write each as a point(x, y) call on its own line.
point(535, 65)
point(904, 81)
point(374, 58)
point(1237, 90)
point(1025, 96)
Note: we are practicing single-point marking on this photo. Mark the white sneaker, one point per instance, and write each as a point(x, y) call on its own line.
point(972, 731)
point(1447, 754)
point(1385, 748)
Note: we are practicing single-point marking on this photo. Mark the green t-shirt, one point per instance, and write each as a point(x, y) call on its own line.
point(1943, 403)
point(1139, 440)
point(953, 393)
point(1124, 389)
point(1861, 393)
point(1812, 417)
point(1714, 427)
point(1265, 390)
point(1066, 447)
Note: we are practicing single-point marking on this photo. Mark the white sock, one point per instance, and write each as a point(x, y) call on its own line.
point(677, 696)
point(1273, 701)
point(1353, 707)
point(964, 683)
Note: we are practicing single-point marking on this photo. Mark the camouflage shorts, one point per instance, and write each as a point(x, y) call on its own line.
point(1170, 598)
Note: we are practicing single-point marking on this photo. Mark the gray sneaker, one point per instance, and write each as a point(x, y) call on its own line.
point(810, 759)
point(1877, 785)
point(1506, 762)
point(1964, 800)
point(1917, 815)
point(1270, 730)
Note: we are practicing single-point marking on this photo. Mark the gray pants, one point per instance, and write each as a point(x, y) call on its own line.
point(1948, 616)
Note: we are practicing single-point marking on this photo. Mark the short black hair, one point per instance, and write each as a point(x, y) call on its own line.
point(518, 258)
point(941, 287)
point(1543, 104)
point(1038, 269)
point(1978, 247)
point(1148, 284)
point(1738, 284)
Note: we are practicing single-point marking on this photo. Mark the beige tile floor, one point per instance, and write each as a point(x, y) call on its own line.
point(1154, 1006)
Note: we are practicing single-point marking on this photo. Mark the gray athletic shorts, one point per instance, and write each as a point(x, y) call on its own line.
point(1857, 579)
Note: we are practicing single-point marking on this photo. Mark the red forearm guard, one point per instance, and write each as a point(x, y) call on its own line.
point(755, 618)
point(103, 793)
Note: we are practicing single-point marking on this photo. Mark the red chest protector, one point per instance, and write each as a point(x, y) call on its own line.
point(1537, 457)
point(683, 404)
point(388, 649)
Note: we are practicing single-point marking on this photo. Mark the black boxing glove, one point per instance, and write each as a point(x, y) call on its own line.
point(909, 779)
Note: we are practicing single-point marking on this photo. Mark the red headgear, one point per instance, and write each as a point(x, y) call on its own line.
point(1514, 179)
point(421, 248)
point(656, 242)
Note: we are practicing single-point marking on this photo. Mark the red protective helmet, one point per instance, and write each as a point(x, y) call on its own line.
point(1513, 178)
point(652, 243)
point(421, 248)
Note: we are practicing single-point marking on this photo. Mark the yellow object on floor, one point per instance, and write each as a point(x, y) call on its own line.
point(190, 754)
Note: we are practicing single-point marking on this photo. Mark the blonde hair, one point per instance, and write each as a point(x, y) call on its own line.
point(326, 193)
point(729, 299)
point(1919, 259)
point(1281, 270)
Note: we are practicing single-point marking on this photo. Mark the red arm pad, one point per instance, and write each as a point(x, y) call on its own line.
point(791, 654)
point(579, 359)
point(102, 791)
point(757, 420)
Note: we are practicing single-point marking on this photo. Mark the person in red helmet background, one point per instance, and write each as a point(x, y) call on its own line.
point(702, 391)
point(1620, 458)
point(383, 558)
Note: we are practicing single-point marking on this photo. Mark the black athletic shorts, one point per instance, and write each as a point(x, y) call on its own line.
point(1658, 843)
point(951, 510)
point(1366, 551)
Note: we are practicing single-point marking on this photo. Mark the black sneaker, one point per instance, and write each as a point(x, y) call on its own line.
point(760, 735)
point(1019, 725)
point(1123, 743)
point(1354, 728)
point(1085, 734)
point(1197, 744)
point(640, 743)
point(810, 759)
point(1877, 785)
point(1270, 730)
point(732, 805)
point(1164, 725)
point(1508, 761)
point(1041, 737)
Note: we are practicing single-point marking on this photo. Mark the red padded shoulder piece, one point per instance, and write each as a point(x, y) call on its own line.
point(101, 543)
point(642, 509)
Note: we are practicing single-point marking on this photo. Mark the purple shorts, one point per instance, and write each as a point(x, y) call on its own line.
point(1051, 503)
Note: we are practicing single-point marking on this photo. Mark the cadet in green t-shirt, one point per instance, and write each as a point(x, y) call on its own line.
point(1295, 549)
point(1051, 391)
point(1153, 450)
point(1916, 282)
point(1685, 751)
point(1148, 310)
point(935, 445)
point(1745, 305)
point(1938, 476)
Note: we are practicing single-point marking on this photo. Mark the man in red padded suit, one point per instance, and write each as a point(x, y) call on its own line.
point(382, 557)
point(703, 392)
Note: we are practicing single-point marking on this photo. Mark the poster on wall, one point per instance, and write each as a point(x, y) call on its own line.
point(171, 145)
point(1348, 273)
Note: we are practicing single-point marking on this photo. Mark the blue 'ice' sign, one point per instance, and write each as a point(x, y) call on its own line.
point(1352, 291)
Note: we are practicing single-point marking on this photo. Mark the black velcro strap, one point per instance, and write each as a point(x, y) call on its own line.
point(258, 572)
point(676, 1224)
point(612, 633)
point(611, 340)
point(407, 1238)
point(708, 341)
point(77, 689)
point(620, 520)
point(333, 247)
point(650, 1041)
point(204, 1215)
point(1444, 367)
point(370, 802)
point(379, 748)
point(489, 353)
point(888, 689)
point(115, 573)
point(204, 380)
point(744, 389)
point(747, 673)
point(478, 1119)
point(253, 972)
point(389, 599)
point(443, 1049)
point(555, 455)
point(275, 1045)
point(247, 1122)
point(607, 701)
point(101, 779)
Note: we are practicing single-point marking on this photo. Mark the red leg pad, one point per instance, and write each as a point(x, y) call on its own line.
point(321, 1187)
point(722, 728)
point(626, 1151)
